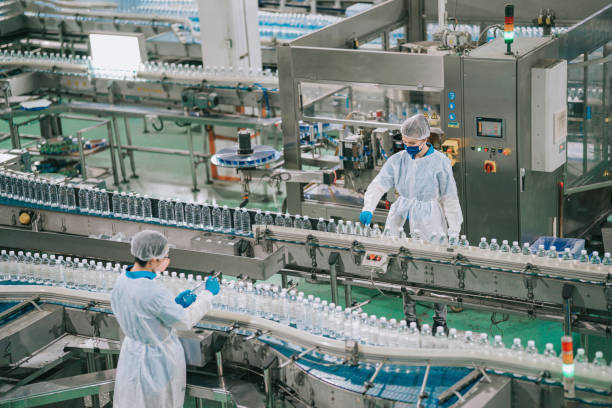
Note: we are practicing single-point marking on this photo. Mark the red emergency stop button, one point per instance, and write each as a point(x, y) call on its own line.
point(490, 166)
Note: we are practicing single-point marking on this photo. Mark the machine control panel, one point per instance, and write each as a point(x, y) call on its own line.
point(376, 261)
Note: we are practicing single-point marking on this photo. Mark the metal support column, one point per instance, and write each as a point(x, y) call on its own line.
point(192, 164)
point(206, 150)
point(111, 144)
point(128, 136)
point(415, 24)
point(82, 155)
point(284, 280)
point(92, 368)
point(567, 309)
point(334, 257)
point(348, 295)
point(119, 148)
point(219, 358)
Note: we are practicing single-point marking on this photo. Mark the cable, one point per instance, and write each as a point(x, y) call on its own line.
point(161, 125)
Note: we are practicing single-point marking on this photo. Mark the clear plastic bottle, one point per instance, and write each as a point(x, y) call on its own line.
point(426, 337)
point(595, 259)
point(259, 217)
point(292, 306)
point(531, 348)
point(567, 255)
point(516, 345)
point(206, 218)
point(581, 357)
point(53, 193)
point(552, 253)
point(468, 340)
point(376, 233)
point(453, 339)
point(498, 343)
point(124, 205)
point(331, 226)
point(505, 248)
point(5, 274)
point(268, 218)
point(516, 249)
point(287, 221)
point(237, 221)
point(549, 351)
point(83, 199)
point(440, 340)
point(38, 279)
point(584, 257)
point(147, 208)
point(373, 331)
point(494, 245)
point(162, 211)
point(363, 328)
point(307, 225)
point(44, 273)
point(246, 222)
point(116, 204)
point(13, 266)
point(22, 267)
point(338, 326)
point(453, 241)
point(341, 227)
point(179, 213)
point(131, 200)
point(463, 242)
point(104, 203)
point(413, 339)
point(226, 219)
point(541, 252)
point(599, 360)
point(358, 229)
point(483, 244)
point(483, 341)
point(321, 225)
point(607, 260)
point(526, 249)
point(279, 221)
point(170, 211)
point(298, 222)
point(189, 212)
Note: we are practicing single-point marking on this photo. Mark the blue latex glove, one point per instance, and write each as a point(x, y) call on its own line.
point(365, 217)
point(185, 298)
point(212, 285)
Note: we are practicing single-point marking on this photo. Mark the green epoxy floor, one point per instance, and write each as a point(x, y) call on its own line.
point(169, 176)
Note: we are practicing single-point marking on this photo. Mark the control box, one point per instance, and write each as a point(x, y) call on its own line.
point(376, 261)
point(549, 116)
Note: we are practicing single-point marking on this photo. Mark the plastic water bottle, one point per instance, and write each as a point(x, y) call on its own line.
point(483, 244)
point(206, 218)
point(138, 202)
point(170, 211)
point(358, 229)
point(22, 267)
point(189, 214)
point(287, 221)
point(162, 211)
point(541, 252)
point(13, 267)
point(607, 260)
point(581, 357)
point(526, 249)
point(297, 222)
point(376, 231)
point(516, 249)
point(37, 269)
point(147, 208)
point(83, 204)
point(71, 198)
point(268, 219)
point(237, 221)
point(531, 348)
point(440, 339)
point(583, 258)
point(595, 259)
point(331, 226)
point(259, 217)
point(516, 345)
point(552, 253)
point(413, 339)
point(246, 222)
point(599, 360)
point(179, 213)
point(279, 221)
point(4, 266)
point(307, 225)
point(216, 217)
point(505, 248)
point(463, 242)
point(104, 203)
point(453, 339)
point(321, 226)
point(426, 337)
point(567, 255)
point(341, 228)
point(468, 340)
point(53, 193)
point(123, 205)
point(494, 245)
point(549, 351)
point(45, 270)
point(498, 343)
point(226, 219)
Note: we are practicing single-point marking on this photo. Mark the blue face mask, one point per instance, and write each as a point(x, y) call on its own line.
point(413, 150)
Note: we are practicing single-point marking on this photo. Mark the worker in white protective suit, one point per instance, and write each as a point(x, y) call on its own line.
point(151, 371)
point(423, 177)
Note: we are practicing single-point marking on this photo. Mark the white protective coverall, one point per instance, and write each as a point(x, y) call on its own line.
point(151, 372)
point(428, 194)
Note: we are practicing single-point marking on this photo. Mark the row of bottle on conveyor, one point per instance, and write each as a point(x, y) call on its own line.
point(288, 307)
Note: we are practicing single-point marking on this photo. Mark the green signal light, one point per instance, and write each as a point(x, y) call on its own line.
point(508, 36)
point(568, 370)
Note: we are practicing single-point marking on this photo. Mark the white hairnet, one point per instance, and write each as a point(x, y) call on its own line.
point(416, 127)
point(147, 245)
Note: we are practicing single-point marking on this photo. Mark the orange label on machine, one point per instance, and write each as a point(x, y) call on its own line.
point(490, 166)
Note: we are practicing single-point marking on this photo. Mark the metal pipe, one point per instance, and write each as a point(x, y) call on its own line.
point(219, 358)
point(82, 155)
point(588, 187)
point(119, 148)
point(192, 165)
point(161, 150)
point(348, 295)
point(333, 275)
point(324, 96)
point(109, 131)
point(128, 136)
point(422, 393)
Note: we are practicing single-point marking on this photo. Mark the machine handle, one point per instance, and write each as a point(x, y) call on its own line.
point(522, 180)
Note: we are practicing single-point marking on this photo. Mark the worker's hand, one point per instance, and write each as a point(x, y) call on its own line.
point(212, 285)
point(365, 217)
point(185, 298)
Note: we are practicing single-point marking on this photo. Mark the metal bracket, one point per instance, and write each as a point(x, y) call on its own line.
point(311, 249)
point(357, 251)
point(460, 271)
point(297, 356)
point(370, 383)
point(267, 244)
point(244, 248)
point(352, 352)
point(403, 253)
point(529, 281)
point(257, 334)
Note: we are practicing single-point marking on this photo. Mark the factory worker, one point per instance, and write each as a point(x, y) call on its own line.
point(151, 371)
point(423, 177)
